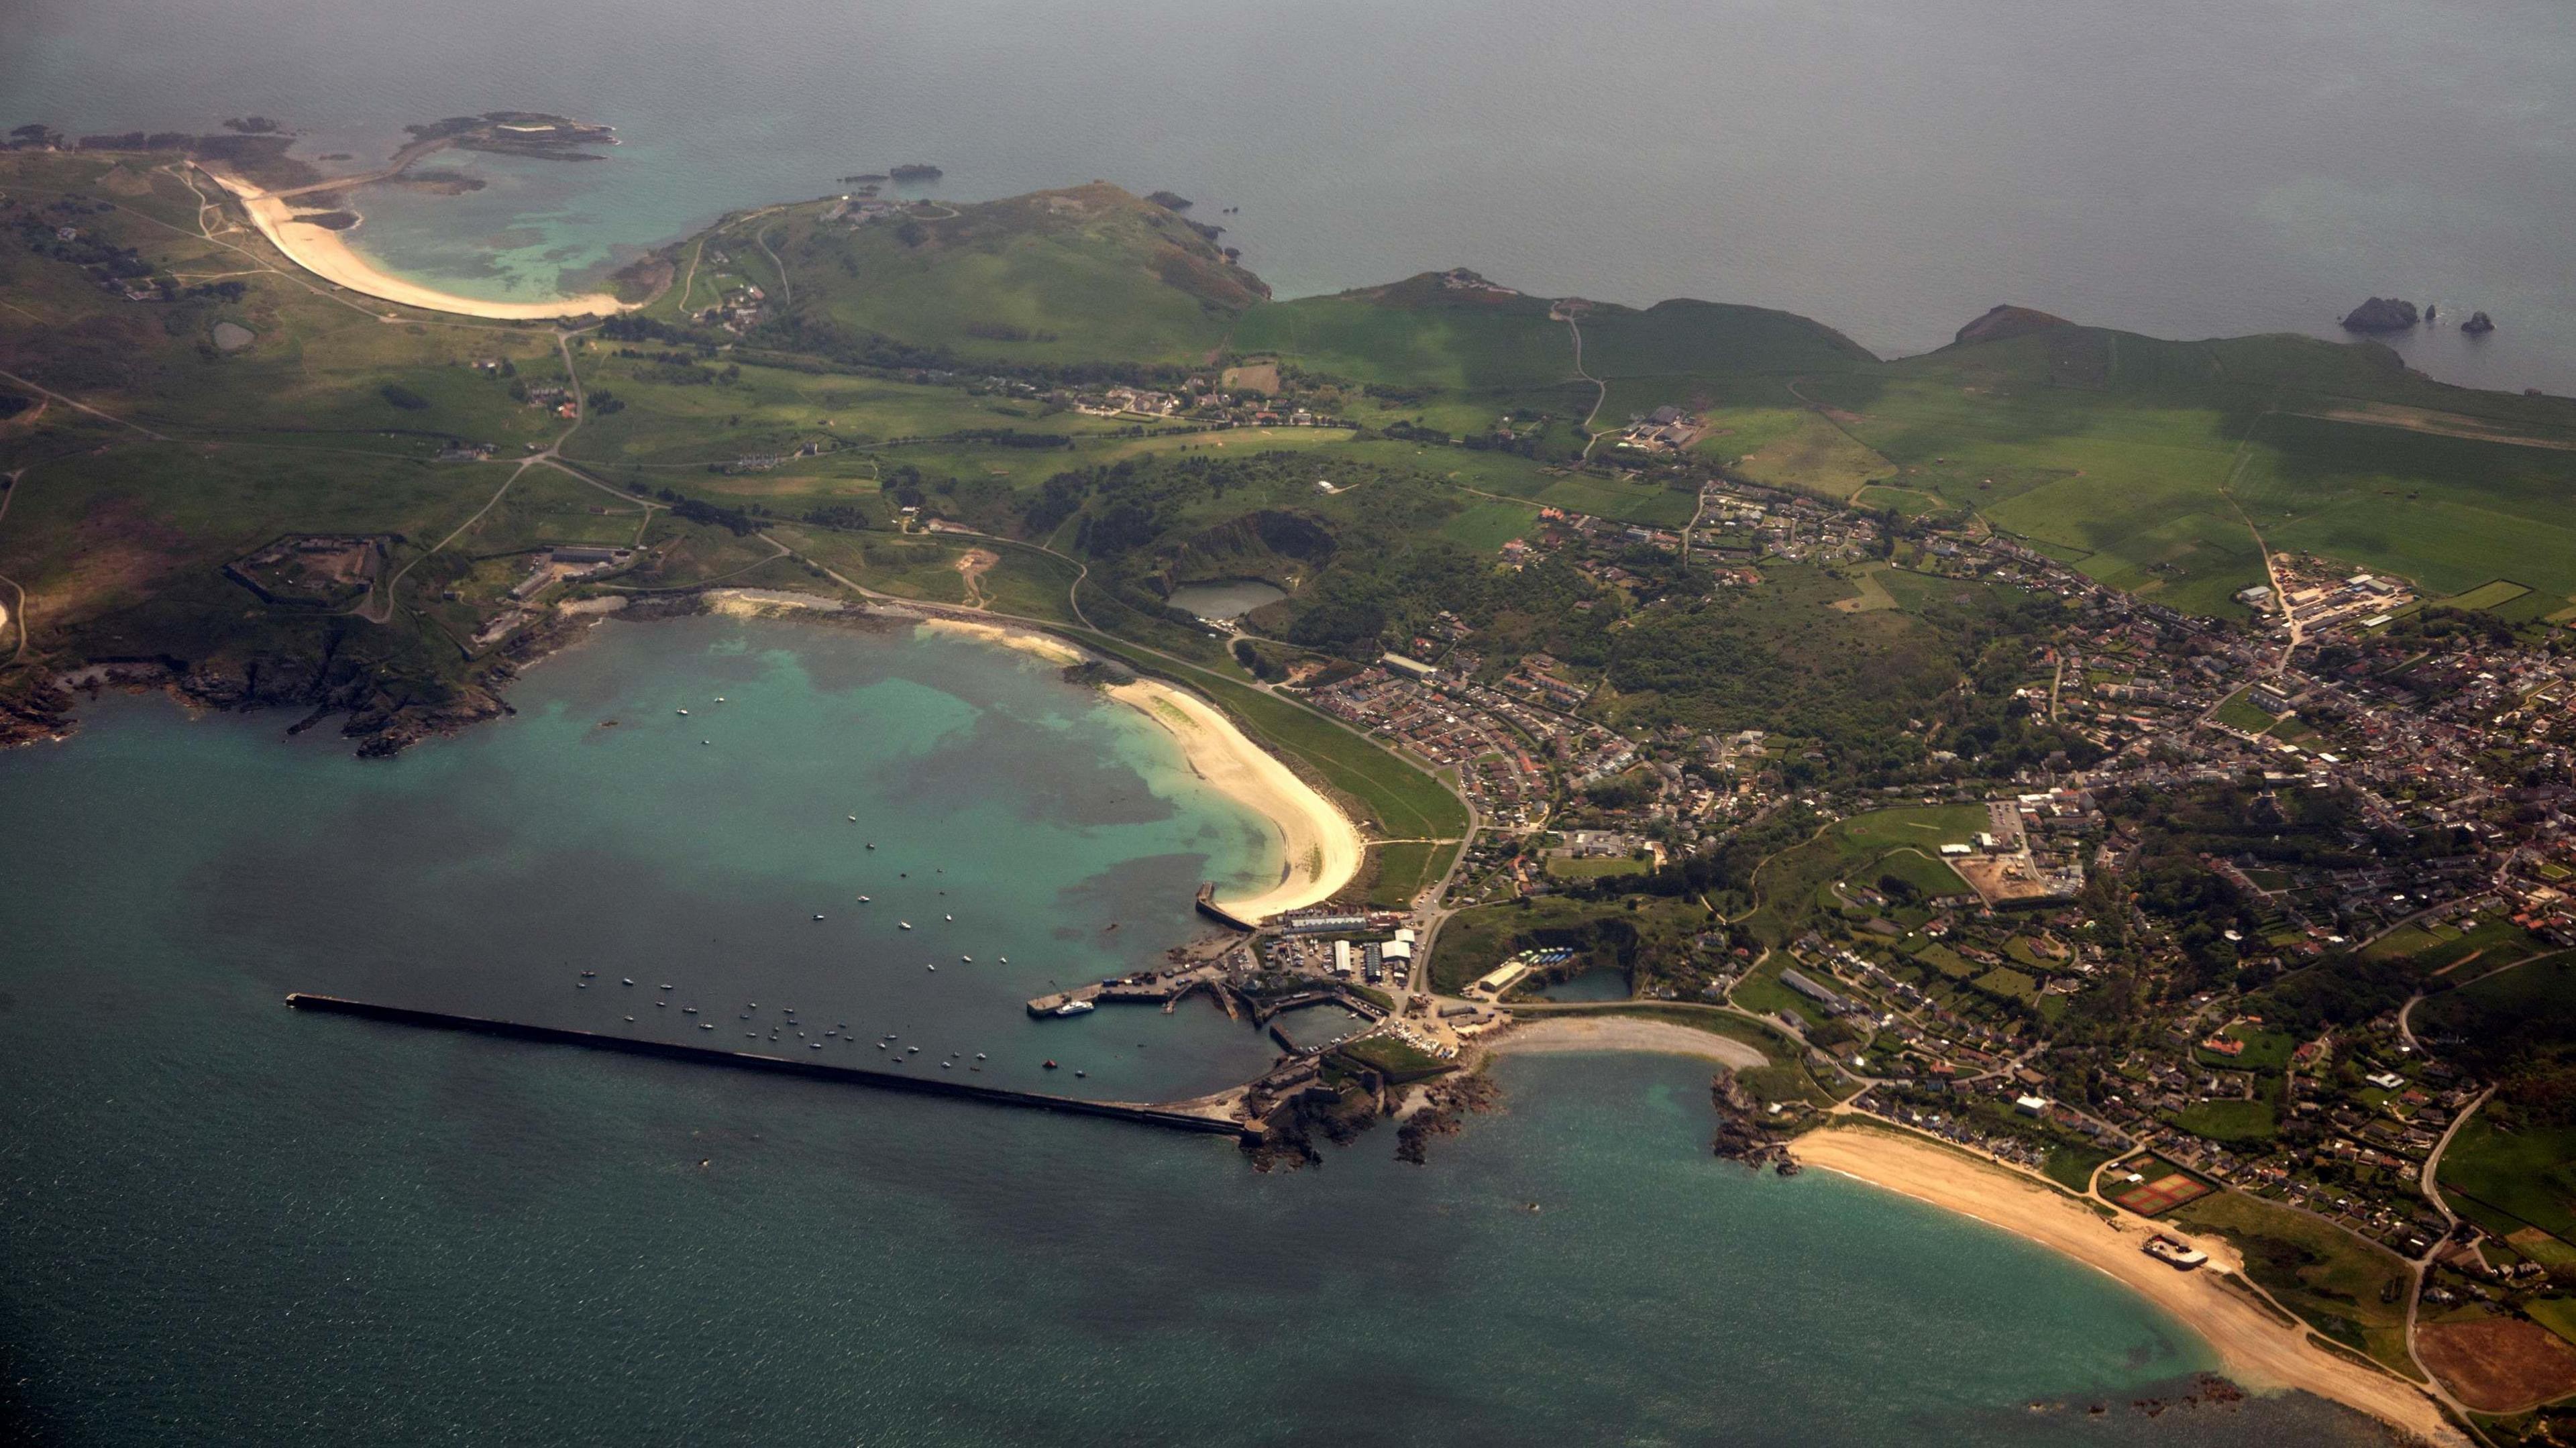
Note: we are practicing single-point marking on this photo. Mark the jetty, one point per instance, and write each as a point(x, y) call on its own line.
point(1218, 913)
point(1208, 1115)
point(1143, 989)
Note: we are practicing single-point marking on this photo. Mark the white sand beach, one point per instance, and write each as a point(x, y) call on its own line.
point(328, 255)
point(1321, 846)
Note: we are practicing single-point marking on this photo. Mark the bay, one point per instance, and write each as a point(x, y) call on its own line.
point(226, 1221)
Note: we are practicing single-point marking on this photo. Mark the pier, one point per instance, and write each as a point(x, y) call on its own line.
point(1218, 913)
point(1204, 1115)
point(1162, 990)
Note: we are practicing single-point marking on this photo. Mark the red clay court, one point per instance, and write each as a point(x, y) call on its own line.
point(2164, 1189)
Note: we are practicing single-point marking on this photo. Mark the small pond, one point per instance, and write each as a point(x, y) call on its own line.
point(1592, 985)
point(1225, 597)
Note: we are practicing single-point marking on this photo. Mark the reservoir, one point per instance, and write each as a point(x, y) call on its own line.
point(292, 1229)
point(1225, 598)
point(2191, 169)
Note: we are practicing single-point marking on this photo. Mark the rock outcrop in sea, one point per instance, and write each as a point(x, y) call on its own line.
point(2478, 324)
point(2382, 314)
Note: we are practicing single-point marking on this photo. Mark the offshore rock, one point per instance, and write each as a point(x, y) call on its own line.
point(2382, 314)
point(2478, 324)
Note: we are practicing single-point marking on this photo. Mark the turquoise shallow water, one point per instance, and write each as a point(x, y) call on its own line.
point(2190, 169)
point(225, 1222)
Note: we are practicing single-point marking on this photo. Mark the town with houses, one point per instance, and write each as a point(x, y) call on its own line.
point(2429, 777)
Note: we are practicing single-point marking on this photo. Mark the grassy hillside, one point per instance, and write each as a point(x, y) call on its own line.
point(1089, 274)
point(2150, 464)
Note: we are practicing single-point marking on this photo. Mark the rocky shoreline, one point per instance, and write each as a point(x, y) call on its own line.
point(322, 686)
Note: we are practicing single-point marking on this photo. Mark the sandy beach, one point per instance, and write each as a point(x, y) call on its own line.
point(2256, 1350)
point(1321, 845)
point(1027, 641)
point(1553, 1035)
point(328, 255)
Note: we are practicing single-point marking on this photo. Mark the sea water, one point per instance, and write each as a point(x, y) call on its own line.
point(2190, 169)
point(225, 1221)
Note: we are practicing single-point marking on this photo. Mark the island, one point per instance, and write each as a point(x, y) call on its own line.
point(2111, 787)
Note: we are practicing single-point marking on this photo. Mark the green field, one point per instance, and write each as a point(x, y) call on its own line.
point(2239, 712)
point(2350, 1290)
point(2510, 1177)
point(2230, 1121)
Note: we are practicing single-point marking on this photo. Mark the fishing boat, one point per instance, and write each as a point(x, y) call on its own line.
point(1051, 1065)
point(1075, 1008)
point(906, 924)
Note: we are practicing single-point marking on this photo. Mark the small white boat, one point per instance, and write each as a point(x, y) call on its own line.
point(818, 917)
point(630, 1020)
point(979, 1055)
point(1006, 960)
point(627, 979)
point(1075, 1008)
point(719, 698)
point(854, 819)
point(906, 924)
point(966, 959)
point(706, 1025)
point(581, 985)
point(930, 967)
point(951, 919)
point(688, 1010)
point(863, 899)
point(684, 713)
point(912, 1050)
